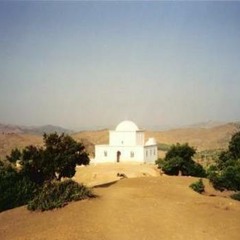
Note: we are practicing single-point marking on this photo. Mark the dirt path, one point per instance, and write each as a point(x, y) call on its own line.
point(139, 208)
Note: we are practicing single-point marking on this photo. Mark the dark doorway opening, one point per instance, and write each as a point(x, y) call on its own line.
point(118, 156)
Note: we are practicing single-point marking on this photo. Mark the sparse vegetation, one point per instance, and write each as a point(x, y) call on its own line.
point(198, 186)
point(39, 168)
point(207, 157)
point(58, 194)
point(178, 160)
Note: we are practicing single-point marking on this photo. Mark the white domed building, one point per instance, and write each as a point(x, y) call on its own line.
point(127, 144)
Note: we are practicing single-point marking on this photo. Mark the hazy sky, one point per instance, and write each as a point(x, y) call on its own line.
point(88, 64)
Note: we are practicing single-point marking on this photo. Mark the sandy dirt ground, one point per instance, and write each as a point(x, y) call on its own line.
point(143, 208)
point(98, 174)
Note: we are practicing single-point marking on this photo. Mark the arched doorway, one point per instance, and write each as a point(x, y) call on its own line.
point(118, 156)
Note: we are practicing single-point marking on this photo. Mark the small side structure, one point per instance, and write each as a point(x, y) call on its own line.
point(126, 144)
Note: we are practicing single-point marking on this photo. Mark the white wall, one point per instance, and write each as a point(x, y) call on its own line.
point(140, 139)
point(131, 146)
point(150, 153)
point(122, 138)
point(105, 153)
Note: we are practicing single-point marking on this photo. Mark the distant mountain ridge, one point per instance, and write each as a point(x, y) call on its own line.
point(207, 124)
point(34, 130)
point(202, 138)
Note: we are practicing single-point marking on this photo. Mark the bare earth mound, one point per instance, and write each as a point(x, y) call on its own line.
point(138, 208)
point(106, 173)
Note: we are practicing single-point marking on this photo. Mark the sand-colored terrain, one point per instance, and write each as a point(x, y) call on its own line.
point(201, 138)
point(95, 175)
point(148, 208)
point(14, 140)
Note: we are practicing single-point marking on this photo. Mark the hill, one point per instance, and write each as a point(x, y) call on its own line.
point(14, 136)
point(46, 129)
point(203, 138)
point(210, 138)
point(138, 208)
point(37, 130)
point(13, 140)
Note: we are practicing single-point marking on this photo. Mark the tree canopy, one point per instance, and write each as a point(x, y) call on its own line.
point(55, 160)
point(179, 160)
point(40, 172)
point(225, 174)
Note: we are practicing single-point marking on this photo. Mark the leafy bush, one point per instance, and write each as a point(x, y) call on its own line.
point(236, 196)
point(228, 178)
point(58, 194)
point(179, 160)
point(226, 173)
point(16, 189)
point(198, 186)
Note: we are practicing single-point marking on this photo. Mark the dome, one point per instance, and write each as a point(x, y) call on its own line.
point(127, 126)
point(151, 141)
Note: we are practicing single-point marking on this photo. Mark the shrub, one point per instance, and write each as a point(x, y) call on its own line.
point(236, 196)
point(198, 186)
point(58, 194)
point(16, 189)
point(228, 178)
point(226, 174)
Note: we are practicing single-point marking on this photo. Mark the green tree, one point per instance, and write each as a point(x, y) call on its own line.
point(179, 160)
point(226, 173)
point(42, 167)
point(14, 156)
point(15, 188)
point(57, 159)
point(183, 151)
point(234, 145)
